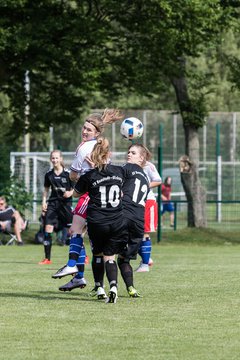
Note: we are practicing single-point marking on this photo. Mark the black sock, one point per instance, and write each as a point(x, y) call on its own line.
point(111, 272)
point(98, 269)
point(126, 271)
point(47, 245)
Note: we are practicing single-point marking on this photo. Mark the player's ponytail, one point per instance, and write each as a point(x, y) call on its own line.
point(108, 116)
point(100, 153)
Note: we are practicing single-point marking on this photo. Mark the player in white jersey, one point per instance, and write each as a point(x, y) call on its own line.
point(150, 217)
point(92, 129)
point(80, 165)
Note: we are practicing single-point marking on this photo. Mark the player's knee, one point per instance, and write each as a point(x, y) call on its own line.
point(97, 258)
point(121, 261)
point(47, 242)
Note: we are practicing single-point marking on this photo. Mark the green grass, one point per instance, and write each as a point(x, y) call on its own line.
point(189, 309)
point(204, 236)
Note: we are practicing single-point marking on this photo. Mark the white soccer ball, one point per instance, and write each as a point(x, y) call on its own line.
point(131, 128)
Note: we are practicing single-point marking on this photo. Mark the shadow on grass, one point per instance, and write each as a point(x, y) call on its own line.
point(47, 295)
point(51, 295)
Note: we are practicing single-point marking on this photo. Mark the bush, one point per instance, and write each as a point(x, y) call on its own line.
point(17, 195)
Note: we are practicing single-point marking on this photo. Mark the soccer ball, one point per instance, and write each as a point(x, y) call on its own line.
point(131, 128)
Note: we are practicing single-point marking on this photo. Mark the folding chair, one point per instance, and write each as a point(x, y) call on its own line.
point(11, 241)
point(13, 238)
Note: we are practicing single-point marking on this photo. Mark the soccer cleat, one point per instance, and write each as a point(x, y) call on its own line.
point(101, 293)
point(112, 296)
point(86, 260)
point(132, 292)
point(45, 262)
point(150, 263)
point(73, 284)
point(93, 292)
point(142, 268)
point(64, 271)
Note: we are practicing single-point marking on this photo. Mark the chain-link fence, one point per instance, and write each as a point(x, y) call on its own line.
point(219, 166)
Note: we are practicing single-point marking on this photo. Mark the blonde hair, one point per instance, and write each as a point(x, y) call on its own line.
point(143, 152)
point(109, 116)
point(60, 154)
point(100, 153)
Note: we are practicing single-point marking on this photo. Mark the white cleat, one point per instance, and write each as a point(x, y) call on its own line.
point(101, 293)
point(73, 284)
point(142, 268)
point(112, 296)
point(64, 271)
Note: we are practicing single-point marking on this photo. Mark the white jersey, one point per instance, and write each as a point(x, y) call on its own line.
point(152, 175)
point(80, 164)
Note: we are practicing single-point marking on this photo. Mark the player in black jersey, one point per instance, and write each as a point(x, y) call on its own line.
point(135, 191)
point(105, 221)
point(58, 207)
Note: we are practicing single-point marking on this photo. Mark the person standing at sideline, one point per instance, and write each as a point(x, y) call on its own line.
point(150, 216)
point(167, 205)
point(92, 128)
point(57, 206)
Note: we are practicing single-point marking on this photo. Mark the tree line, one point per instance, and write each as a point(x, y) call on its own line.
point(82, 54)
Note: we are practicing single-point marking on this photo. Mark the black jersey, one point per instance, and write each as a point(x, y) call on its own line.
point(58, 184)
point(104, 188)
point(135, 191)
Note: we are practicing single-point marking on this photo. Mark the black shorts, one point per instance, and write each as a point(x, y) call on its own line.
point(109, 239)
point(135, 237)
point(59, 214)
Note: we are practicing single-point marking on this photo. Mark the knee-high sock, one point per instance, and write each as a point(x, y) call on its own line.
point(111, 272)
point(76, 243)
point(126, 271)
point(145, 250)
point(80, 263)
point(47, 245)
point(98, 269)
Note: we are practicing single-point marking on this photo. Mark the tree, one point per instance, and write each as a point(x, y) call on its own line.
point(60, 43)
point(155, 42)
point(73, 49)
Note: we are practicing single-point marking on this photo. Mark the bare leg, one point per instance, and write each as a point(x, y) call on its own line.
point(172, 219)
point(18, 226)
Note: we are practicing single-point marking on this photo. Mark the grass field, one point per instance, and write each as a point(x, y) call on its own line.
point(190, 308)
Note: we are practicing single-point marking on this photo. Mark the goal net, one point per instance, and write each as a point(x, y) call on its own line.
point(31, 167)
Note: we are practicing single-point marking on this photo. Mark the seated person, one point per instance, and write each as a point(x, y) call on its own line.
point(10, 219)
